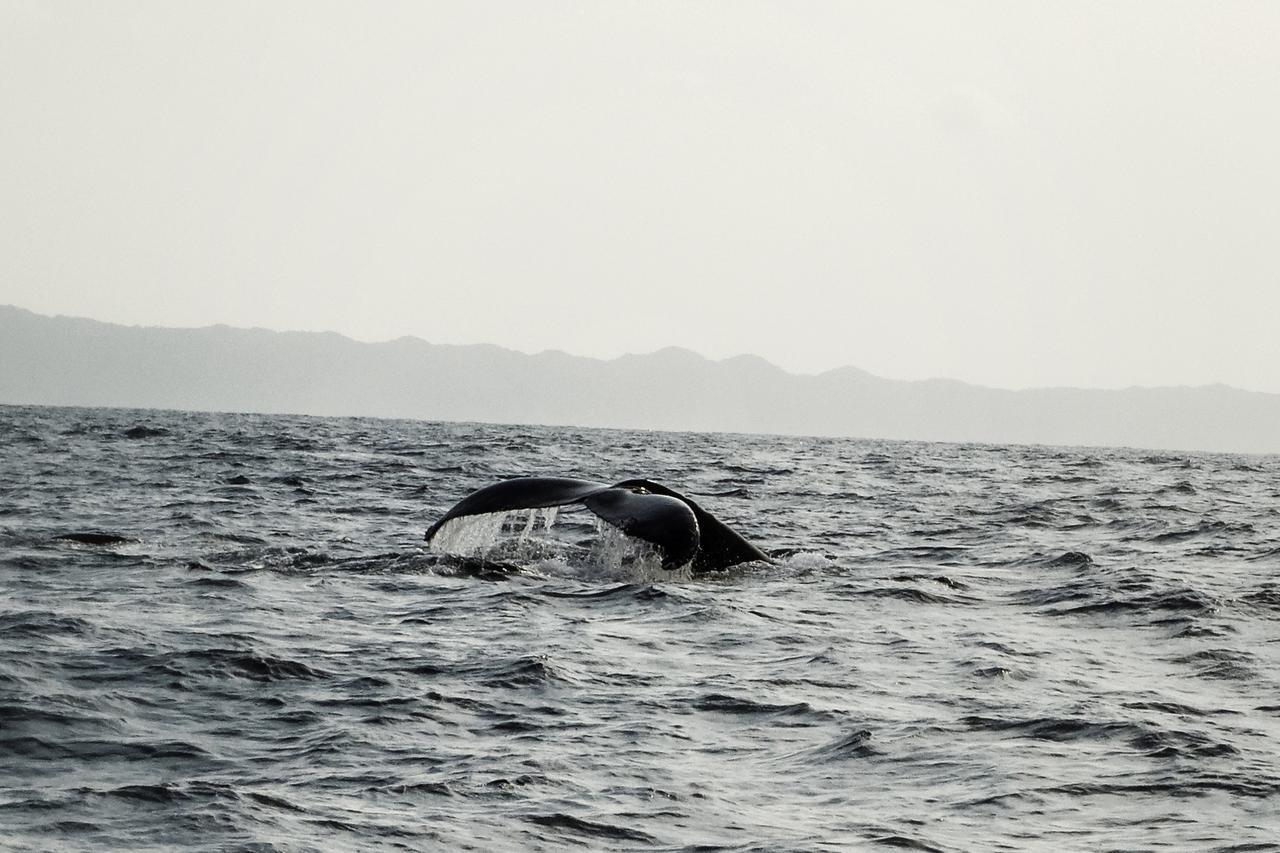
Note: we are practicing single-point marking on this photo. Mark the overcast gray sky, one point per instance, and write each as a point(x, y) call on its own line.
point(1015, 194)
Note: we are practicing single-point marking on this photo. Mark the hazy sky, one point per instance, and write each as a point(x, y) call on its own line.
point(1021, 193)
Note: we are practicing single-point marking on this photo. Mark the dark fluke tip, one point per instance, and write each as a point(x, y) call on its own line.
point(143, 431)
point(93, 537)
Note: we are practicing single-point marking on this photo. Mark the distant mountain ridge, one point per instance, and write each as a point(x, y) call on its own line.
point(79, 362)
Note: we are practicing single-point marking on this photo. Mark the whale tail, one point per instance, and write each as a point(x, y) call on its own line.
point(682, 531)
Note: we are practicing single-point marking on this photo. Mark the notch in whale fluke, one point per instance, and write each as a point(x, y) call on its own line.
point(680, 529)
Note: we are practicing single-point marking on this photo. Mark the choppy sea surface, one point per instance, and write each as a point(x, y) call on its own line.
point(957, 647)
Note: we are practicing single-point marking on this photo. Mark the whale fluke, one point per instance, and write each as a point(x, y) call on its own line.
point(680, 529)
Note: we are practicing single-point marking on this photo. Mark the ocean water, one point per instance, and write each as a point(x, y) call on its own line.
point(956, 647)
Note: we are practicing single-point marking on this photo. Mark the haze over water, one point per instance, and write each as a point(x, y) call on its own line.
point(958, 647)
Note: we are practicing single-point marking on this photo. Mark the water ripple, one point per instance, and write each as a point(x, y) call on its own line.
point(221, 633)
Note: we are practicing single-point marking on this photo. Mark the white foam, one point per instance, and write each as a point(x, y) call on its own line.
point(808, 560)
point(514, 537)
point(470, 535)
point(511, 536)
